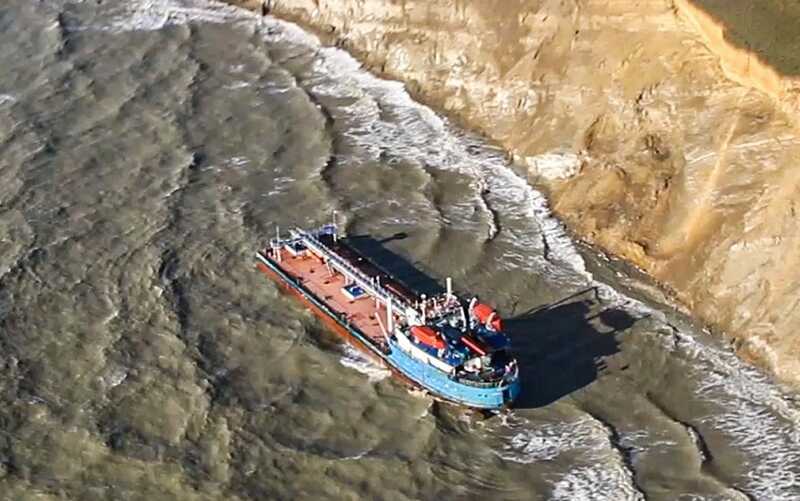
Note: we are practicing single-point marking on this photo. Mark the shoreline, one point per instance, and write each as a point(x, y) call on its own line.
point(644, 251)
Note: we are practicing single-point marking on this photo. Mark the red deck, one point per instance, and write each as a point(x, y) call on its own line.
point(327, 286)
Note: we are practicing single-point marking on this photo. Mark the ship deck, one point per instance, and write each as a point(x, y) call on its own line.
point(327, 286)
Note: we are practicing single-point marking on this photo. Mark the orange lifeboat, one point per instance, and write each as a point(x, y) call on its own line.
point(428, 336)
point(486, 315)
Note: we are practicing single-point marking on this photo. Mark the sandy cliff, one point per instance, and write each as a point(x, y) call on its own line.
point(659, 135)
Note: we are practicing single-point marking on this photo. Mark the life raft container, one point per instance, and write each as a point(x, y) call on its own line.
point(486, 315)
point(428, 336)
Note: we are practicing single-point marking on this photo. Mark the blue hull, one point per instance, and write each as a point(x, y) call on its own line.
point(440, 384)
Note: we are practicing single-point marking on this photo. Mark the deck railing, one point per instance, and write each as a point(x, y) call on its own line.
point(360, 278)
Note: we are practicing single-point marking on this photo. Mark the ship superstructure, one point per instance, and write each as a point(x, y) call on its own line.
point(452, 348)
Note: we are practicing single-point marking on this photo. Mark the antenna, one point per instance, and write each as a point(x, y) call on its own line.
point(335, 236)
point(449, 287)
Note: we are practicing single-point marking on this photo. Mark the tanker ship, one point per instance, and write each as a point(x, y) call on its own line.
point(453, 348)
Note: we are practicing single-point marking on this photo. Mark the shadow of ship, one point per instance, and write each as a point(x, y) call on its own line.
point(563, 347)
point(392, 264)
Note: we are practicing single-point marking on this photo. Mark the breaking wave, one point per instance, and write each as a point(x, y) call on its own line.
point(154, 15)
point(756, 414)
point(595, 483)
point(600, 471)
point(354, 359)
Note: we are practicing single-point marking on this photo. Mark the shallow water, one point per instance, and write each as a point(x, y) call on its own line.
point(148, 147)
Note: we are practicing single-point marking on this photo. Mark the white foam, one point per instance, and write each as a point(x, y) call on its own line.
point(596, 482)
point(355, 360)
point(7, 99)
point(114, 376)
point(755, 413)
point(760, 418)
point(600, 472)
point(239, 84)
point(238, 161)
point(355, 457)
point(546, 442)
point(417, 392)
point(153, 15)
point(697, 441)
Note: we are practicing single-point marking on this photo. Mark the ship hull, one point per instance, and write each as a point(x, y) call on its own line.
point(440, 384)
point(402, 365)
